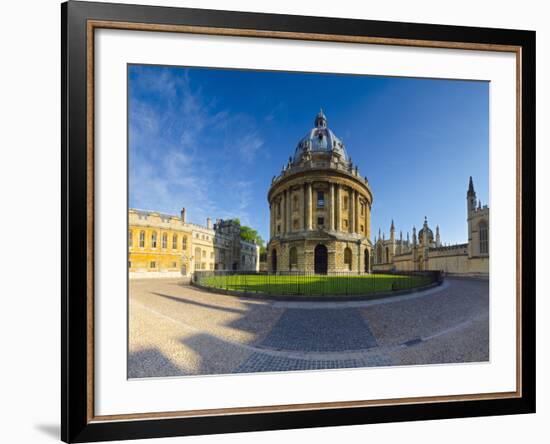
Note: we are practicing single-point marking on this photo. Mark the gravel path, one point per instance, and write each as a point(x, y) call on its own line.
point(178, 330)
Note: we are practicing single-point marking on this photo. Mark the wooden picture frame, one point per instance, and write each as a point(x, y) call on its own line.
point(79, 22)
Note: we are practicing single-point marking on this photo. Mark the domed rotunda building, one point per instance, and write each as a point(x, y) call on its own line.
point(320, 209)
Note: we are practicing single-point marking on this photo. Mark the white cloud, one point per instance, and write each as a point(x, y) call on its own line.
point(168, 167)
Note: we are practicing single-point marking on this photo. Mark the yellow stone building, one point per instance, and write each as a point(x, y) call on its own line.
point(162, 245)
point(158, 244)
point(320, 208)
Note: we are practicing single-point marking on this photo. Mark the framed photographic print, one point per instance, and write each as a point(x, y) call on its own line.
point(276, 221)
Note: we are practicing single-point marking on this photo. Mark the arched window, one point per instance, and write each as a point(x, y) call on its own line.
point(175, 242)
point(154, 239)
point(293, 259)
point(198, 257)
point(142, 239)
point(129, 238)
point(184, 242)
point(164, 240)
point(320, 199)
point(347, 258)
point(379, 258)
point(387, 255)
point(295, 204)
point(483, 238)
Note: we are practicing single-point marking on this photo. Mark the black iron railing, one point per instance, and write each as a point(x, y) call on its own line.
point(302, 283)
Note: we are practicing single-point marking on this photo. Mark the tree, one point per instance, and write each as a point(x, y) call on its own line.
point(249, 234)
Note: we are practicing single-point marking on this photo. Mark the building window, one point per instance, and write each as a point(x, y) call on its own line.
point(278, 228)
point(152, 264)
point(197, 258)
point(184, 243)
point(174, 265)
point(142, 239)
point(347, 258)
point(362, 209)
point(362, 228)
point(345, 223)
point(295, 224)
point(320, 199)
point(203, 253)
point(175, 242)
point(483, 238)
point(295, 203)
point(129, 264)
point(130, 238)
point(320, 222)
point(279, 209)
point(211, 255)
point(154, 239)
point(164, 240)
point(346, 202)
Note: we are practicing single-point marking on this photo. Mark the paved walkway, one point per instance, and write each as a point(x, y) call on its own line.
point(177, 329)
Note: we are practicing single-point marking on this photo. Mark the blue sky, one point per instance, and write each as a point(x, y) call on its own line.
point(211, 140)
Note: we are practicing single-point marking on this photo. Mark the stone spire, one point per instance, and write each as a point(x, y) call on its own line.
point(414, 236)
point(471, 196)
point(437, 237)
point(471, 187)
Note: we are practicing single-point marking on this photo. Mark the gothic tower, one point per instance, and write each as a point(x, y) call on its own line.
point(471, 200)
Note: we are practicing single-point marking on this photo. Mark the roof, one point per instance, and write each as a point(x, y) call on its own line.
point(320, 139)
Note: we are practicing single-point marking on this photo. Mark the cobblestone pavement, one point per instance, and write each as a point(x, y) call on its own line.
point(176, 330)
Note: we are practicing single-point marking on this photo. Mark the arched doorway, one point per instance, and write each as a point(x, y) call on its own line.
point(366, 261)
point(274, 261)
point(321, 259)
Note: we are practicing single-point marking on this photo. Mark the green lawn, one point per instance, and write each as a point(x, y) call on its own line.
point(314, 284)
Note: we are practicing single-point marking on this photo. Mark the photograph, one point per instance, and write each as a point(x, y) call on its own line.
point(286, 221)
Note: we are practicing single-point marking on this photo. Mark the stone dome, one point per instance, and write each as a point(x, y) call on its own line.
point(430, 234)
point(320, 139)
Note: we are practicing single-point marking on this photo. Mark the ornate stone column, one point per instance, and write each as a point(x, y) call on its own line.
point(270, 221)
point(305, 207)
point(352, 211)
point(367, 219)
point(309, 209)
point(357, 212)
point(331, 214)
point(283, 213)
point(289, 210)
point(337, 209)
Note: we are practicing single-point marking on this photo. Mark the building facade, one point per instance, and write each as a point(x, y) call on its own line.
point(161, 245)
point(320, 209)
point(426, 251)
